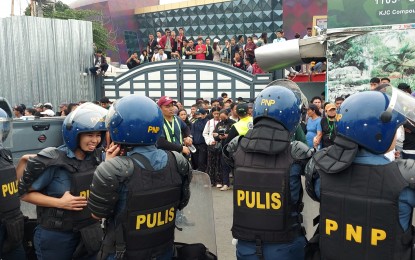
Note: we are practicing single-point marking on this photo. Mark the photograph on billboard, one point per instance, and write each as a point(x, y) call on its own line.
point(383, 52)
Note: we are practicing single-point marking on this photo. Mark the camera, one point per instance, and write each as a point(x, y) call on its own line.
point(221, 131)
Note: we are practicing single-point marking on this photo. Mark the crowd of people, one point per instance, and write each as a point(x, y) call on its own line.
point(238, 51)
point(131, 163)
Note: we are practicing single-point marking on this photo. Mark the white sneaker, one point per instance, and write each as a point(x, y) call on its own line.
point(225, 187)
point(218, 185)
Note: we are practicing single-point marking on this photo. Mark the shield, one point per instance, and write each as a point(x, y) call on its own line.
point(199, 224)
point(6, 132)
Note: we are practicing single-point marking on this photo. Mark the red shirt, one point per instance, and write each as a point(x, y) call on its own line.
point(202, 55)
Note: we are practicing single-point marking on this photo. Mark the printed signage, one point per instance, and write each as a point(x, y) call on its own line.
point(358, 13)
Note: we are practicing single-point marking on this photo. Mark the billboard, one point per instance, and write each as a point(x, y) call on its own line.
point(367, 52)
point(359, 13)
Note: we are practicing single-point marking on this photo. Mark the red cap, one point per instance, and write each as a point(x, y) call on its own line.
point(164, 101)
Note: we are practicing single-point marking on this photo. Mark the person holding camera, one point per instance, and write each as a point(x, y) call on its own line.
point(220, 134)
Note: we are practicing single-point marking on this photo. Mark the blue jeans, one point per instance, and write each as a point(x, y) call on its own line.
point(55, 244)
point(293, 251)
point(17, 253)
point(407, 156)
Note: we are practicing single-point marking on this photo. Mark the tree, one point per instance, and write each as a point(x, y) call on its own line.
point(101, 37)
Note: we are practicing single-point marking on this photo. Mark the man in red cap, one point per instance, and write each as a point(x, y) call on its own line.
point(176, 134)
point(174, 137)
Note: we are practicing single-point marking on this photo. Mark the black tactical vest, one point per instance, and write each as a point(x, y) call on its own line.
point(262, 207)
point(149, 217)
point(360, 214)
point(81, 179)
point(9, 199)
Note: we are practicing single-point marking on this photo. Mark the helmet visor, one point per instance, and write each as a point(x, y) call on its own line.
point(110, 114)
point(98, 114)
point(293, 87)
point(6, 132)
point(400, 101)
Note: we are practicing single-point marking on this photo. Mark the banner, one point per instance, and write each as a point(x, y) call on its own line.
point(359, 13)
point(386, 51)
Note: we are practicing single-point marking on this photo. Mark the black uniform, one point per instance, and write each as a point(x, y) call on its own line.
point(12, 220)
point(144, 226)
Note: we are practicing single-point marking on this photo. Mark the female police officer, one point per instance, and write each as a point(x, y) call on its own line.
point(57, 181)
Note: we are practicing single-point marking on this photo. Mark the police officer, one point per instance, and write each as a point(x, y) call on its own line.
point(57, 181)
point(241, 127)
point(267, 182)
point(11, 218)
point(366, 201)
point(139, 193)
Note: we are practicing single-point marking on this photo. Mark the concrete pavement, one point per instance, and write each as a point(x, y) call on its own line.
point(222, 205)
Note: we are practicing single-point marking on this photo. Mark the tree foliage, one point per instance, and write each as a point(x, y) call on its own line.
point(101, 37)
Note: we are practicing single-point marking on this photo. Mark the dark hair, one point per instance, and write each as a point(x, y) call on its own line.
point(224, 111)
point(316, 97)
point(375, 80)
point(240, 36)
point(385, 79)
point(297, 35)
point(186, 121)
point(215, 45)
point(99, 51)
point(264, 36)
point(339, 99)
point(181, 28)
point(214, 109)
point(224, 94)
point(249, 37)
point(232, 105)
point(167, 29)
point(69, 108)
point(144, 51)
point(32, 111)
point(309, 28)
point(314, 108)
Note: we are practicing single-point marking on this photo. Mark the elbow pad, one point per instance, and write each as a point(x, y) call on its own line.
point(105, 185)
point(311, 175)
point(34, 169)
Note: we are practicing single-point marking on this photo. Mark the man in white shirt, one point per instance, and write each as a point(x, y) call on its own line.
point(309, 33)
point(280, 36)
point(160, 56)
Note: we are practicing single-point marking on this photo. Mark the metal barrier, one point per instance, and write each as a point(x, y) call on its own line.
point(185, 80)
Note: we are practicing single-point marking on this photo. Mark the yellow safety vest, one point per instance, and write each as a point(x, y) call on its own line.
point(243, 125)
point(169, 130)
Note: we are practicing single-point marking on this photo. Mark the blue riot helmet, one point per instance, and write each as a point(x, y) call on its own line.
point(5, 125)
point(87, 117)
point(279, 102)
point(135, 120)
point(367, 119)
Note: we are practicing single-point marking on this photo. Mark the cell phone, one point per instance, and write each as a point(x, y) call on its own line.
point(124, 149)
